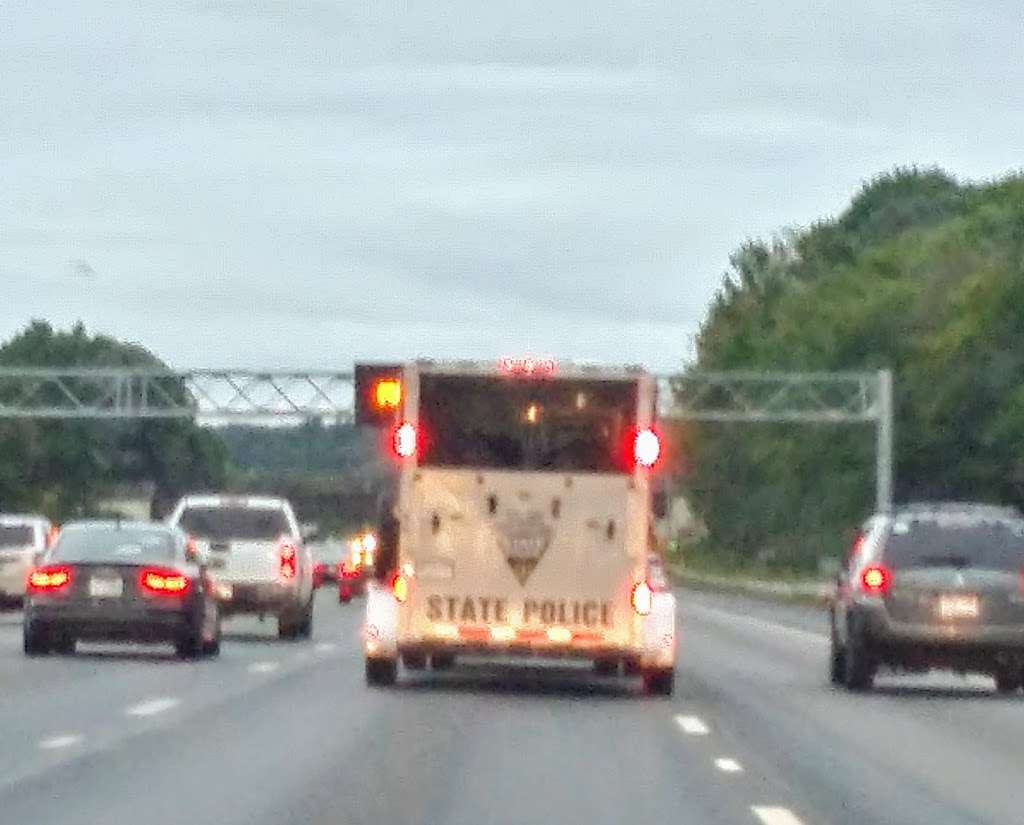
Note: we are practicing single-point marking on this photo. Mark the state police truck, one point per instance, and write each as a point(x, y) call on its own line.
point(519, 523)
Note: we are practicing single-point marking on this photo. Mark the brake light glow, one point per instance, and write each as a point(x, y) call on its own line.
point(400, 587)
point(646, 448)
point(642, 598)
point(49, 579)
point(288, 559)
point(163, 581)
point(405, 440)
point(876, 580)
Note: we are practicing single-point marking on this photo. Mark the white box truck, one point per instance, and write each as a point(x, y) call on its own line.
point(520, 519)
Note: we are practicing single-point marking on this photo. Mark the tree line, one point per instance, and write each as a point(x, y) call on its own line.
point(920, 274)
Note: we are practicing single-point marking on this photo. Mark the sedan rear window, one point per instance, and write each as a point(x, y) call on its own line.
point(12, 535)
point(234, 523)
point(989, 545)
point(115, 545)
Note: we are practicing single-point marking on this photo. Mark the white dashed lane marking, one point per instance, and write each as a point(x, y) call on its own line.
point(151, 707)
point(325, 647)
point(726, 765)
point(65, 740)
point(692, 725)
point(775, 816)
point(264, 667)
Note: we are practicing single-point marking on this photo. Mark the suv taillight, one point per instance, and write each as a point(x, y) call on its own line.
point(876, 580)
point(288, 556)
point(49, 579)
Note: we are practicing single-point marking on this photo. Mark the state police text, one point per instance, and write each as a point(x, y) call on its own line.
point(494, 610)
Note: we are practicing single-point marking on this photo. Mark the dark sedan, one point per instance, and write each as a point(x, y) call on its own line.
point(113, 581)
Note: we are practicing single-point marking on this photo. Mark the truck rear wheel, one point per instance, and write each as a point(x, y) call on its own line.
point(659, 682)
point(442, 661)
point(381, 672)
point(414, 661)
point(1008, 680)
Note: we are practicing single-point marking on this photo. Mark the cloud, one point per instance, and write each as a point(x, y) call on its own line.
point(298, 182)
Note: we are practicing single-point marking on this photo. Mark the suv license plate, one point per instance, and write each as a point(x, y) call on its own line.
point(106, 588)
point(955, 606)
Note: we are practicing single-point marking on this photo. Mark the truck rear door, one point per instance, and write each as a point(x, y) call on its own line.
point(523, 513)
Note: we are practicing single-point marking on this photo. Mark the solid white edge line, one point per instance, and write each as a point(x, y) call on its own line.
point(692, 725)
point(65, 740)
point(770, 815)
point(726, 765)
point(151, 707)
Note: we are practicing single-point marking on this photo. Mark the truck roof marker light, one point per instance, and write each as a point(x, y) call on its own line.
point(537, 367)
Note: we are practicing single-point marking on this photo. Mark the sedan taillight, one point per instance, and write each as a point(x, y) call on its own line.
point(163, 581)
point(49, 579)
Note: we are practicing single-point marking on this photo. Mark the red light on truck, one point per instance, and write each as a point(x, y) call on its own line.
point(527, 367)
point(646, 448)
point(288, 559)
point(642, 598)
point(405, 440)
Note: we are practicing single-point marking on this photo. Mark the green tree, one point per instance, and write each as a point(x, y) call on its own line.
point(63, 467)
point(921, 275)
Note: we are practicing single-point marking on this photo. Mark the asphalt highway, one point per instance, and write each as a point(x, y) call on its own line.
point(287, 732)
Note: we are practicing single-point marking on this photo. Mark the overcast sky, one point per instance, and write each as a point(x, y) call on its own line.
point(300, 183)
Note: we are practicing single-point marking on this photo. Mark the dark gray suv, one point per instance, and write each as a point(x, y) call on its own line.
point(932, 586)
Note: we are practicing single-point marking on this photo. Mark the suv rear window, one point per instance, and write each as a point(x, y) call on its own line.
point(16, 535)
point(236, 522)
point(557, 425)
point(115, 545)
point(957, 542)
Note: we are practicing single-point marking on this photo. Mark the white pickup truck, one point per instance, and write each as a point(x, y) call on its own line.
point(521, 521)
point(253, 548)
